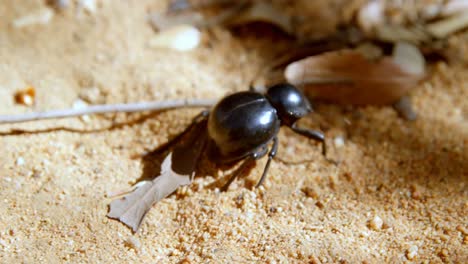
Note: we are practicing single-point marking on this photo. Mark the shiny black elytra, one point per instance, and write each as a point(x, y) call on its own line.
point(242, 125)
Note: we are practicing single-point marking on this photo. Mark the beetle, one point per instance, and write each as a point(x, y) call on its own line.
point(242, 125)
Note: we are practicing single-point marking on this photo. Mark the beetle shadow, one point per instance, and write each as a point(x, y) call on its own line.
point(189, 155)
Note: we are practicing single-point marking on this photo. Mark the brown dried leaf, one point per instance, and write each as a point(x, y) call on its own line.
point(132, 208)
point(350, 77)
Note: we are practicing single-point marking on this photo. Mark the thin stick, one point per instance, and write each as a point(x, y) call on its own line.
point(101, 109)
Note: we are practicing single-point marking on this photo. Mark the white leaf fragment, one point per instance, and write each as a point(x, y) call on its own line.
point(181, 38)
point(132, 208)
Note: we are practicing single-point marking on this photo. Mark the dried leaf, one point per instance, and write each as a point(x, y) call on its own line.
point(349, 77)
point(132, 208)
point(177, 169)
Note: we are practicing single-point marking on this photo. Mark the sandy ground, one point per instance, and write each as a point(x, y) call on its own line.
point(399, 194)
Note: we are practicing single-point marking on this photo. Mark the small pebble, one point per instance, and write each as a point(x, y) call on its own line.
point(376, 223)
point(42, 16)
point(412, 252)
point(26, 96)
point(20, 161)
point(80, 104)
point(180, 38)
point(405, 109)
point(338, 141)
point(133, 242)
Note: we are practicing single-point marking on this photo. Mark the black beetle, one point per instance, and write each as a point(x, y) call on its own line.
point(239, 127)
point(243, 124)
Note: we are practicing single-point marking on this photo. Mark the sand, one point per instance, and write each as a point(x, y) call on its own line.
point(399, 193)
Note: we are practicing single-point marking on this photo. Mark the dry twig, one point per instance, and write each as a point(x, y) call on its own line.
point(102, 109)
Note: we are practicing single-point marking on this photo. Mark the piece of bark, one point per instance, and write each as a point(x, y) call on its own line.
point(350, 77)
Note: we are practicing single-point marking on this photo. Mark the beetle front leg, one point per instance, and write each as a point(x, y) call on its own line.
point(271, 155)
point(312, 134)
point(238, 172)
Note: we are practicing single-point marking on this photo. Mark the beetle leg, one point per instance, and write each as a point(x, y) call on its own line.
point(271, 155)
point(202, 115)
point(312, 134)
point(238, 172)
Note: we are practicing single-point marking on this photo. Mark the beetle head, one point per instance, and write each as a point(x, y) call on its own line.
point(289, 102)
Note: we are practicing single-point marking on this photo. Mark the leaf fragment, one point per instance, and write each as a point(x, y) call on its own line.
point(177, 169)
point(350, 77)
point(132, 208)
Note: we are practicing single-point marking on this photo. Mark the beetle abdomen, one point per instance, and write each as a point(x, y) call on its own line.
point(240, 123)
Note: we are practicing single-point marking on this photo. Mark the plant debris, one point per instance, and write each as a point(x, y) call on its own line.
point(132, 208)
point(177, 169)
point(80, 109)
point(350, 77)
